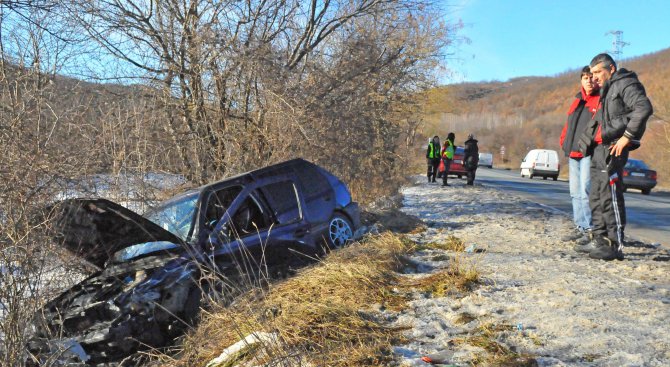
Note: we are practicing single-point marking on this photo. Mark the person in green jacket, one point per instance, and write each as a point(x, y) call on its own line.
point(433, 157)
point(447, 154)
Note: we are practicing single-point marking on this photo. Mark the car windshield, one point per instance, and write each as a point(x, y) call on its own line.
point(176, 215)
point(635, 164)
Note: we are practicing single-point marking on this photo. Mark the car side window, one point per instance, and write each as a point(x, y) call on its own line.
point(313, 182)
point(283, 199)
point(248, 218)
point(218, 204)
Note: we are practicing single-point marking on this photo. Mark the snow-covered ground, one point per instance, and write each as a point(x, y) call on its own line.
point(564, 308)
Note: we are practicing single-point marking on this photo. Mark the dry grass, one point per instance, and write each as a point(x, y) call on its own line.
point(452, 243)
point(497, 355)
point(324, 312)
point(459, 277)
point(330, 314)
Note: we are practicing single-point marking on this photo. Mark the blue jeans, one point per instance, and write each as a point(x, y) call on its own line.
point(580, 186)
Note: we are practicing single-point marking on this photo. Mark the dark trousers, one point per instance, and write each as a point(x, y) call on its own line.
point(433, 164)
point(606, 200)
point(447, 163)
point(471, 176)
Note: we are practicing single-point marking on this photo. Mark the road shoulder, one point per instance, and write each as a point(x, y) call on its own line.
point(565, 308)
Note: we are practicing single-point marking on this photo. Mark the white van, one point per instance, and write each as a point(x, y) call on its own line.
point(486, 160)
point(541, 162)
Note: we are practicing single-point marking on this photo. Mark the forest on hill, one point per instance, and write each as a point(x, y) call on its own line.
point(529, 112)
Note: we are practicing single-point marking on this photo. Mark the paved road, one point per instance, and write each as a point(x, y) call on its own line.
point(648, 216)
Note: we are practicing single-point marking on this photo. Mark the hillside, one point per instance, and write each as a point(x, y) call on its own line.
point(529, 112)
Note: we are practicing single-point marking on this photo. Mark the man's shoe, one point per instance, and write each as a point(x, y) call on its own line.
point(619, 255)
point(572, 236)
point(605, 250)
point(585, 247)
point(586, 238)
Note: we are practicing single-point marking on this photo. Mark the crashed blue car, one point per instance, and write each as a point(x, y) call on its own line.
point(156, 268)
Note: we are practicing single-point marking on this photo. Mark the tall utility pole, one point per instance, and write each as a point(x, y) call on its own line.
point(617, 44)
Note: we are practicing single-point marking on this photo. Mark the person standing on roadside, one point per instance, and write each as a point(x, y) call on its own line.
point(447, 156)
point(580, 114)
point(433, 157)
point(620, 122)
point(471, 158)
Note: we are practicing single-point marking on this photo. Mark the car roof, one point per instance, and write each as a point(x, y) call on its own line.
point(542, 150)
point(250, 176)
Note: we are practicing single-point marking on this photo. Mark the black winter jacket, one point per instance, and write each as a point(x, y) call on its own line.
point(625, 107)
point(471, 155)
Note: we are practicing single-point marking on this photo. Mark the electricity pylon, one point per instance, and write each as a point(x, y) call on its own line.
point(617, 44)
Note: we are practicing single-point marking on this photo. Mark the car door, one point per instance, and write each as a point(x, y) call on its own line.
point(260, 229)
point(319, 197)
point(552, 158)
point(541, 162)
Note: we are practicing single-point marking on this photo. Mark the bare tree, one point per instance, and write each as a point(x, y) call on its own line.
point(243, 83)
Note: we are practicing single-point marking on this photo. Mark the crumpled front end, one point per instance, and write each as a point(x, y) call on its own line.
point(109, 315)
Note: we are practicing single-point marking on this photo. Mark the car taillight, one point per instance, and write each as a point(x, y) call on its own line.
point(653, 175)
point(625, 173)
point(559, 166)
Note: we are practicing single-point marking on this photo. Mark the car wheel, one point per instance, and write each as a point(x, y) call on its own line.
point(646, 191)
point(339, 231)
point(555, 178)
point(544, 177)
point(625, 189)
point(460, 176)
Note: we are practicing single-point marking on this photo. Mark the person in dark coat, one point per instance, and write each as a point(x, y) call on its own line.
point(618, 126)
point(471, 158)
point(580, 114)
point(433, 157)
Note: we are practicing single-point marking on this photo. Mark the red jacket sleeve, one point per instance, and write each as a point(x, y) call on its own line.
point(565, 131)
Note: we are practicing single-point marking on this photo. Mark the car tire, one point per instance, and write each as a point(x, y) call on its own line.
point(460, 176)
point(625, 189)
point(555, 178)
point(544, 177)
point(340, 231)
point(646, 191)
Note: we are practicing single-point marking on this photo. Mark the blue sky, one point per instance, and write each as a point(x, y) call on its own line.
point(510, 38)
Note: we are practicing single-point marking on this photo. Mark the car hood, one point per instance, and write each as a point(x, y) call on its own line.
point(95, 229)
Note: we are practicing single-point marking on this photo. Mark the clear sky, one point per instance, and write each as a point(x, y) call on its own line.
point(510, 38)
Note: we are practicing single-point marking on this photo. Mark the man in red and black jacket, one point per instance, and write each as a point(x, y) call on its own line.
point(580, 114)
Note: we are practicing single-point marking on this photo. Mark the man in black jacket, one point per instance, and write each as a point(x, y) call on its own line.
point(471, 158)
point(621, 120)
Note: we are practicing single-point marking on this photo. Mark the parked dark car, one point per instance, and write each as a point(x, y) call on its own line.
point(637, 175)
point(150, 285)
point(457, 167)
